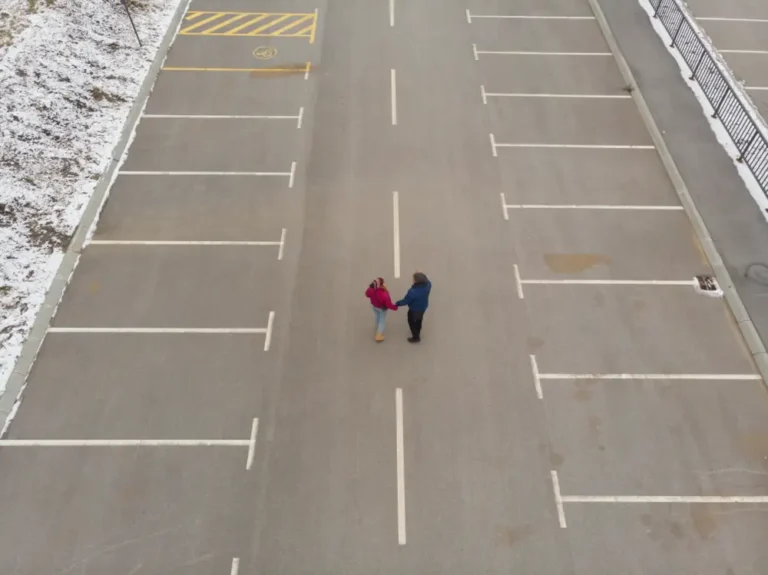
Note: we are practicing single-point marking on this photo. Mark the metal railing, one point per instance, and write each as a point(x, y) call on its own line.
point(727, 105)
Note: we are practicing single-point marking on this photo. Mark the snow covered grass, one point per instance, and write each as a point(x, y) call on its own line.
point(729, 113)
point(69, 72)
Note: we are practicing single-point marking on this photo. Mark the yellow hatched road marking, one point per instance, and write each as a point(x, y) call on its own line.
point(289, 26)
point(301, 33)
point(205, 23)
point(269, 25)
point(225, 23)
point(202, 23)
point(249, 23)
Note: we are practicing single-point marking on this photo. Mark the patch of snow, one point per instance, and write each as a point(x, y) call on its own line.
point(69, 73)
point(729, 110)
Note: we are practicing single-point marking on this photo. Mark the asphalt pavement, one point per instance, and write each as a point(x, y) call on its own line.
point(210, 398)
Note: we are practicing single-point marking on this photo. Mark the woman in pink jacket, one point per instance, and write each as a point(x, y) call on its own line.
point(378, 293)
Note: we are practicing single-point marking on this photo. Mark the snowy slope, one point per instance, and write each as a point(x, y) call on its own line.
point(69, 73)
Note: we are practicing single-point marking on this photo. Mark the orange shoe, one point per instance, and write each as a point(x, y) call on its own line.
point(379, 337)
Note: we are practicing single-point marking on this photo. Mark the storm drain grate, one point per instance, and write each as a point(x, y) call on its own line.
point(707, 285)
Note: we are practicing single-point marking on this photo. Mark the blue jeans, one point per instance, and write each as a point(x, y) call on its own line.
point(381, 319)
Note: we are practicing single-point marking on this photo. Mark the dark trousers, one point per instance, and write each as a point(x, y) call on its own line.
point(414, 322)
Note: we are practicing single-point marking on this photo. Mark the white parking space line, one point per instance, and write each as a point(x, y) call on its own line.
point(716, 19)
point(561, 499)
point(665, 499)
point(306, 72)
point(300, 118)
point(518, 283)
point(586, 207)
point(163, 330)
point(393, 84)
point(523, 17)
point(526, 53)
point(756, 88)
point(270, 323)
point(493, 146)
point(496, 144)
point(180, 243)
point(392, 13)
point(504, 207)
point(692, 283)
point(683, 283)
point(536, 378)
point(235, 566)
point(218, 117)
point(249, 443)
point(396, 231)
point(558, 500)
point(401, 539)
point(282, 244)
point(292, 174)
point(180, 173)
point(762, 52)
point(125, 442)
point(252, 444)
point(650, 376)
point(487, 95)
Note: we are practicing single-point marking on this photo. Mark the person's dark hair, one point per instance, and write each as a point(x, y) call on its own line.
point(420, 278)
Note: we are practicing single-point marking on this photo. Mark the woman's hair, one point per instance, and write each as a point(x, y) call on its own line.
point(419, 278)
point(378, 283)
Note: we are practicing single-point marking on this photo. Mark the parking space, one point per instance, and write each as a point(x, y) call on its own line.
point(156, 509)
point(739, 31)
point(184, 208)
point(218, 145)
point(661, 327)
point(231, 54)
point(172, 286)
point(537, 35)
point(706, 431)
point(129, 387)
point(201, 93)
point(630, 360)
point(625, 177)
point(547, 8)
point(568, 76)
point(564, 243)
point(552, 120)
point(686, 539)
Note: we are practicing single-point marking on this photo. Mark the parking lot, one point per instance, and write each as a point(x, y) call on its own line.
point(209, 398)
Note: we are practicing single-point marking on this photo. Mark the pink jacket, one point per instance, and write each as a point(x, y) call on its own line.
point(380, 298)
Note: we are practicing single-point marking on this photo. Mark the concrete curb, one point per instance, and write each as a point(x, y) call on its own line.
point(746, 327)
point(17, 380)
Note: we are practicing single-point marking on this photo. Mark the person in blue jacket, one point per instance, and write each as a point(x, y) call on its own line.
point(417, 300)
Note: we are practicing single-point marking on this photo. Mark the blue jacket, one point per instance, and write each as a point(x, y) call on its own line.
point(417, 298)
